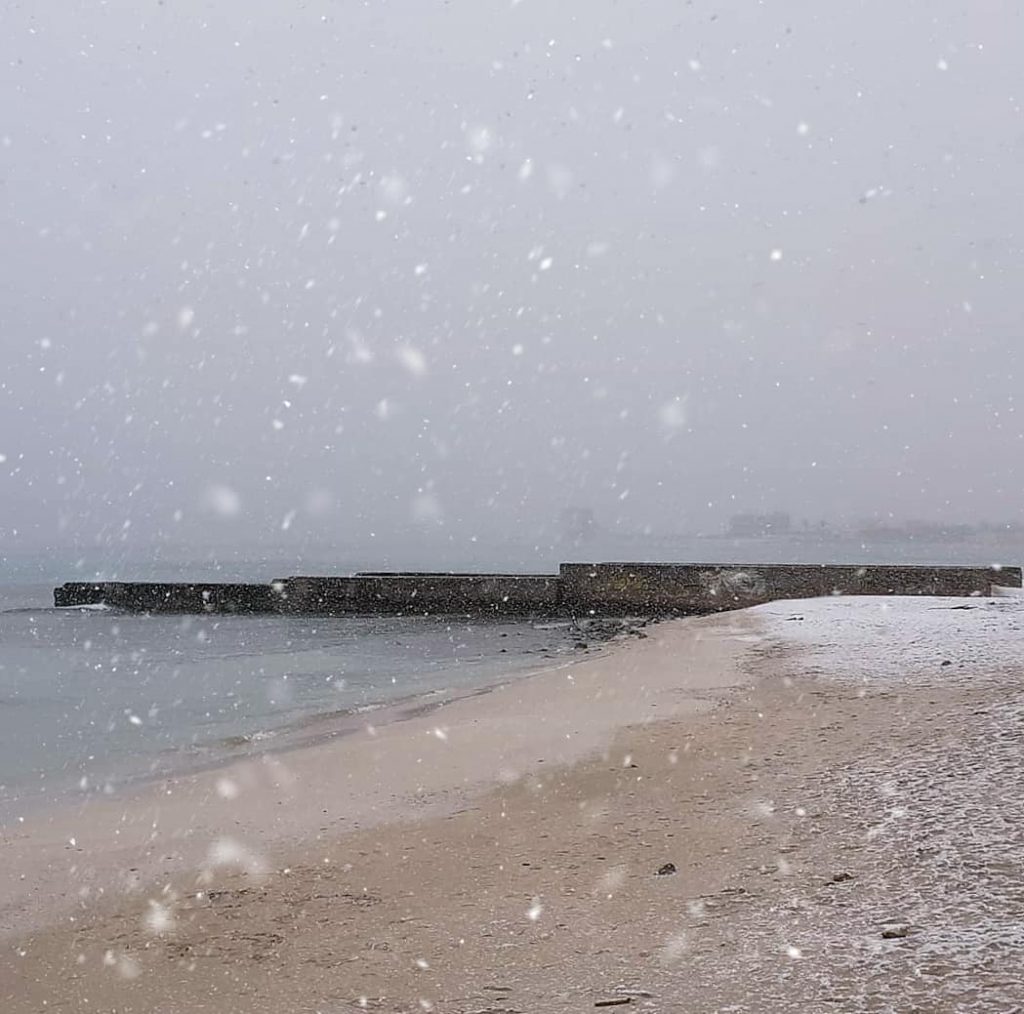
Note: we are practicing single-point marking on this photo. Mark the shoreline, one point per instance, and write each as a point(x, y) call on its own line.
point(796, 808)
point(309, 731)
point(62, 778)
point(212, 796)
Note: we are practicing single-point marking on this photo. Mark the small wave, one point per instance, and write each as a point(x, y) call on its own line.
point(364, 709)
point(95, 607)
point(242, 739)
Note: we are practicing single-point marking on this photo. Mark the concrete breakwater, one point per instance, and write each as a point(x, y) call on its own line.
point(579, 589)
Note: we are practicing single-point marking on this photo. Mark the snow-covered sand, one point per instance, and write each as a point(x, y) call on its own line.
point(901, 638)
point(933, 808)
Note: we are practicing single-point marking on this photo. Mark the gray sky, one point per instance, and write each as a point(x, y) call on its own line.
point(293, 273)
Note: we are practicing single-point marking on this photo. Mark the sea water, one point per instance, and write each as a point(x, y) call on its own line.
point(91, 698)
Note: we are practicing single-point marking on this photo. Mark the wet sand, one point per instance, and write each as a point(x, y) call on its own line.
point(835, 843)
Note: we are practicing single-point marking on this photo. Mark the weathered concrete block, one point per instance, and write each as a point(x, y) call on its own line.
point(80, 593)
point(421, 594)
point(579, 589)
point(651, 588)
point(153, 597)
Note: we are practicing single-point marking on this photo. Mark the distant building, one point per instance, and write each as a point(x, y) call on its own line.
point(751, 526)
point(921, 531)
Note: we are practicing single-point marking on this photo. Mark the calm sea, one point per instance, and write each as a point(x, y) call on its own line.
point(91, 698)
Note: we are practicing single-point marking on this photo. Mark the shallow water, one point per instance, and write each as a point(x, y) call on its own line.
point(92, 697)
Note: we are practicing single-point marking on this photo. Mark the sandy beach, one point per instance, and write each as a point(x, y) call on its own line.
point(805, 806)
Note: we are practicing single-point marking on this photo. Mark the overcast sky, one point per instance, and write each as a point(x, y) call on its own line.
point(299, 272)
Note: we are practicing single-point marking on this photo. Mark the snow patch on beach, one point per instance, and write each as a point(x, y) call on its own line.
point(897, 638)
point(942, 829)
point(930, 817)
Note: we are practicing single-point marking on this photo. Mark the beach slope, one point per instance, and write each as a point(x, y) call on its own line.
point(806, 806)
